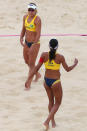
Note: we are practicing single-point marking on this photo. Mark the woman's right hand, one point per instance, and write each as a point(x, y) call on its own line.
point(21, 41)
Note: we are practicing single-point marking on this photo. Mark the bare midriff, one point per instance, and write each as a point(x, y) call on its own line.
point(30, 36)
point(52, 74)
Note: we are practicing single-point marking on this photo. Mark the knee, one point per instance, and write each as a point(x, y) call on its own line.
point(51, 102)
point(26, 61)
point(31, 64)
point(58, 102)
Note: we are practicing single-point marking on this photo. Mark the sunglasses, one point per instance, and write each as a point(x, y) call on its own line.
point(30, 9)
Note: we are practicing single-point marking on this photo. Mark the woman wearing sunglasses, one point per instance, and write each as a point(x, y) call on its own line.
point(31, 30)
point(52, 83)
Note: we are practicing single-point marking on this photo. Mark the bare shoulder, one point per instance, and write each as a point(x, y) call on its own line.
point(38, 19)
point(24, 17)
point(60, 57)
point(44, 54)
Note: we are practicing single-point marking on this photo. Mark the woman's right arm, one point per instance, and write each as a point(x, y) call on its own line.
point(22, 32)
point(37, 67)
point(69, 68)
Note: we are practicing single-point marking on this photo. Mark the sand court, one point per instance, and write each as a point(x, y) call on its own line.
point(22, 110)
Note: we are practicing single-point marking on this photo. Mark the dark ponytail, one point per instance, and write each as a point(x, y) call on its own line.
point(52, 54)
point(53, 44)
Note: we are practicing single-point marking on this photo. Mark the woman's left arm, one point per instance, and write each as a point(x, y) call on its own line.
point(35, 70)
point(38, 29)
point(37, 67)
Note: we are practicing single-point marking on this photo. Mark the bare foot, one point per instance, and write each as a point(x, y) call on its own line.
point(53, 124)
point(27, 87)
point(38, 76)
point(46, 126)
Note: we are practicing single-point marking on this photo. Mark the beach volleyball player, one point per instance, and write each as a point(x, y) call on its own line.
point(31, 29)
point(52, 83)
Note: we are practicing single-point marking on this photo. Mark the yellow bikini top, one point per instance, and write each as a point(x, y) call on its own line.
point(51, 65)
point(30, 26)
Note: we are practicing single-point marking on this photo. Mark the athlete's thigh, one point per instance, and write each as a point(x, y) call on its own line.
point(49, 92)
point(34, 49)
point(57, 92)
point(26, 54)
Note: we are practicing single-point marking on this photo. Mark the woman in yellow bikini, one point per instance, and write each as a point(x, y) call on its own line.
point(31, 29)
point(52, 82)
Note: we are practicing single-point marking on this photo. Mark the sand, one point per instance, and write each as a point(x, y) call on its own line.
point(22, 110)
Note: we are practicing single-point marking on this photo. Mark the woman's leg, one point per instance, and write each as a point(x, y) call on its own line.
point(32, 54)
point(32, 58)
point(26, 54)
point(51, 101)
point(57, 92)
